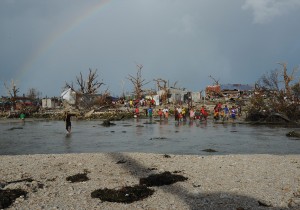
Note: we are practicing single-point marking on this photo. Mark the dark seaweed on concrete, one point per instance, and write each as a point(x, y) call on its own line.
point(167, 156)
point(123, 195)
point(78, 178)
point(165, 178)
point(7, 197)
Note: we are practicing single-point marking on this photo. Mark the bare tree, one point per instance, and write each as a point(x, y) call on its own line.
point(138, 82)
point(269, 82)
point(12, 89)
point(88, 86)
point(33, 93)
point(288, 79)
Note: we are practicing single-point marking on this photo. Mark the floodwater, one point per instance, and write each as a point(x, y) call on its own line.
point(166, 137)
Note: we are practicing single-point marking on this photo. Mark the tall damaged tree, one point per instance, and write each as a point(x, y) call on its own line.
point(276, 92)
point(91, 85)
point(12, 89)
point(86, 90)
point(138, 82)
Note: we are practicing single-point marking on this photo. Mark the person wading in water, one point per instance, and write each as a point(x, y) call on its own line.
point(68, 121)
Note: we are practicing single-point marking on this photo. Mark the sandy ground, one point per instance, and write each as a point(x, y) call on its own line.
point(214, 182)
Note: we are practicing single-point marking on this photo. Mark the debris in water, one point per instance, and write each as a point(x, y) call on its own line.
point(123, 195)
point(7, 197)
point(149, 123)
point(78, 178)
point(209, 150)
point(107, 123)
point(293, 134)
point(14, 128)
point(165, 178)
point(157, 138)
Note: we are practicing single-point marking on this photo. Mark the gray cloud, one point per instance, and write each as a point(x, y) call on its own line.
point(45, 43)
point(266, 10)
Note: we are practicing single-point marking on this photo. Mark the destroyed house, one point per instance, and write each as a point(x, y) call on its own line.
point(236, 90)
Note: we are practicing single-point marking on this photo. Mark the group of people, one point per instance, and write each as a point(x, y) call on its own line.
point(225, 113)
point(140, 102)
point(181, 113)
point(162, 113)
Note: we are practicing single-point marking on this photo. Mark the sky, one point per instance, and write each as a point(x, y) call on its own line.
point(44, 44)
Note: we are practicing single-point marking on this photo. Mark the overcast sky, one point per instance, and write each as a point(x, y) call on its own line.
point(45, 43)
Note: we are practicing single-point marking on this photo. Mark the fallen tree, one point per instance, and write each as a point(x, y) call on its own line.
point(276, 97)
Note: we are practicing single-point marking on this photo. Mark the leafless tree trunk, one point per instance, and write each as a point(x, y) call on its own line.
point(138, 82)
point(12, 89)
point(33, 93)
point(287, 79)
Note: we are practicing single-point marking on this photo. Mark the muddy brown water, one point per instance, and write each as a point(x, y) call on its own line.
point(166, 137)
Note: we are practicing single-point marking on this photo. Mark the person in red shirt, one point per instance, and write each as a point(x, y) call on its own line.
point(137, 111)
point(204, 113)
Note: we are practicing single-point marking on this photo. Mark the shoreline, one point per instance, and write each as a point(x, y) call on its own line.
point(213, 181)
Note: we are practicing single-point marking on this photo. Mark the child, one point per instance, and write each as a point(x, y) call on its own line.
point(160, 114)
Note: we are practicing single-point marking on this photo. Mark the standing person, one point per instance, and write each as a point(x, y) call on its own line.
point(22, 116)
point(160, 113)
point(136, 112)
point(192, 114)
point(233, 113)
point(226, 113)
point(150, 112)
point(176, 114)
point(183, 112)
point(165, 110)
point(68, 122)
point(204, 113)
point(131, 103)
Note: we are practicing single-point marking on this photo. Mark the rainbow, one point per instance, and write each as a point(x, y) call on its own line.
point(57, 35)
